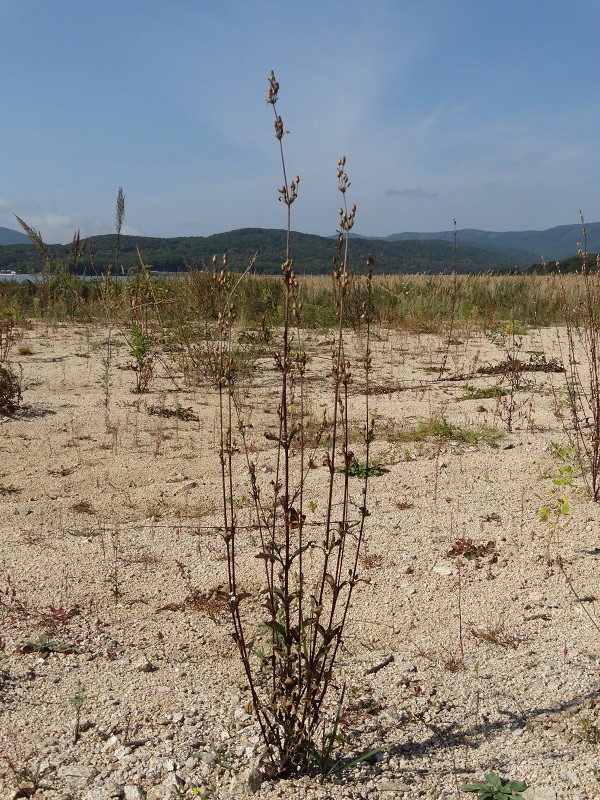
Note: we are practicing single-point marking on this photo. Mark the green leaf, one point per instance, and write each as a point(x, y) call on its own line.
point(341, 765)
point(516, 786)
point(300, 550)
point(266, 557)
point(493, 780)
point(544, 513)
point(276, 626)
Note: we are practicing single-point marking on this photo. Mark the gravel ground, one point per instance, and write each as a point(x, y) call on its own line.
point(454, 666)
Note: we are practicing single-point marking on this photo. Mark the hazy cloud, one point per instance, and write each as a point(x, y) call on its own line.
point(50, 222)
point(418, 191)
point(53, 227)
point(3, 202)
point(129, 230)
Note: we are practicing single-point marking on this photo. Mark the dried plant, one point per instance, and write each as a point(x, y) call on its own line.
point(10, 381)
point(454, 308)
point(119, 217)
point(40, 246)
point(60, 289)
point(308, 582)
point(582, 363)
point(10, 390)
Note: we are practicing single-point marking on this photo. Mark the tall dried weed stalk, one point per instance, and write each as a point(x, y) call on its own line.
point(289, 633)
point(582, 320)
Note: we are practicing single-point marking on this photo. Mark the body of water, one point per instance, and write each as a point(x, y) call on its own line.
point(38, 278)
point(20, 278)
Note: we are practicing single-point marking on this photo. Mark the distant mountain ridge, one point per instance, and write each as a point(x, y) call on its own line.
point(8, 236)
point(552, 244)
point(477, 251)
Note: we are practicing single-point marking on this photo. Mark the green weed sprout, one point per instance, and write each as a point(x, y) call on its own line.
point(493, 787)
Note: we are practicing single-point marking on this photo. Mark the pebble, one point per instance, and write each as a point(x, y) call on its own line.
point(142, 664)
point(442, 569)
point(540, 793)
point(133, 792)
point(97, 794)
point(186, 487)
point(77, 773)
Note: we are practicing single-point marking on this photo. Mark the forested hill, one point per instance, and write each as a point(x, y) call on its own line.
point(8, 236)
point(312, 254)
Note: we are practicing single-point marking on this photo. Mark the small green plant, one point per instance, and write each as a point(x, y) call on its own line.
point(558, 506)
point(44, 645)
point(481, 393)
point(564, 452)
point(183, 789)
point(438, 427)
point(77, 702)
point(554, 510)
point(356, 469)
point(565, 476)
point(493, 787)
point(569, 468)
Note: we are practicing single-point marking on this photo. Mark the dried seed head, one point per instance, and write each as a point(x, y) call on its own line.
point(278, 127)
point(272, 89)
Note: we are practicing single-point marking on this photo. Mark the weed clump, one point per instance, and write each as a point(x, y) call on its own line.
point(10, 390)
point(10, 382)
point(438, 427)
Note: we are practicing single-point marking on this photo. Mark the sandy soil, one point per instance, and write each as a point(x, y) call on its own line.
point(495, 658)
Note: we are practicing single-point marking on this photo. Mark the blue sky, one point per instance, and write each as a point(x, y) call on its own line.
point(479, 110)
